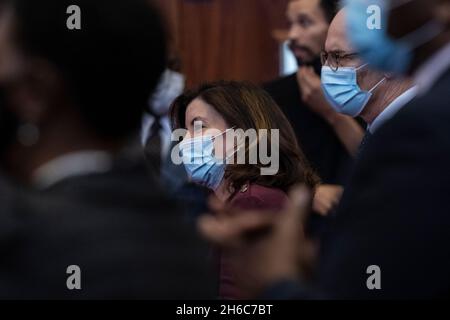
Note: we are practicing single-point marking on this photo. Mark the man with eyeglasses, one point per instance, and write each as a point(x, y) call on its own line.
point(328, 139)
point(354, 88)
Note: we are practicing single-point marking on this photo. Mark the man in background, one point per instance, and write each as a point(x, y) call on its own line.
point(328, 139)
point(352, 87)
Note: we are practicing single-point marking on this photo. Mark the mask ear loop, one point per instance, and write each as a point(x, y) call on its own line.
point(250, 147)
point(220, 134)
point(362, 66)
point(203, 138)
point(238, 147)
point(377, 85)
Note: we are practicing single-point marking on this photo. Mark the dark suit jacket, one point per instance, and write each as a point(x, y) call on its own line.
point(118, 227)
point(317, 139)
point(395, 213)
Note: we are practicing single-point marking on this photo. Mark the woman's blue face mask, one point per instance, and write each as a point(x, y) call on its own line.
point(200, 162)
point(342, 91)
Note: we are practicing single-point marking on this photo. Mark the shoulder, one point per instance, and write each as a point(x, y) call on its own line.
point(256, 197)
point(281, 82)
point(432, 105)
point(282, 86)
point(423, 120)
point(286, 92)
point(414, 142)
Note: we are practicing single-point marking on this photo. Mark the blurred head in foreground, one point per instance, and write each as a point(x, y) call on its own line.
point(398, 36)
point(62, 89)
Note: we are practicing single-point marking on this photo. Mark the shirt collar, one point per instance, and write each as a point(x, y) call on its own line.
point(430, 72)
point(393, 108)
point(70, 165)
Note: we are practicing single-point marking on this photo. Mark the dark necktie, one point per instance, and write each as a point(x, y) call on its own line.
point(153, 146)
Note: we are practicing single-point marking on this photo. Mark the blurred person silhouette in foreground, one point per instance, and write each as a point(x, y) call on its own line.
point(70, 101)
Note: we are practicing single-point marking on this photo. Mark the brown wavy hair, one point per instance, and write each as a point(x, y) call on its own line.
point(247, 106)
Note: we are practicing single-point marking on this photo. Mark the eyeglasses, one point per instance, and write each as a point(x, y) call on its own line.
point(334, 59)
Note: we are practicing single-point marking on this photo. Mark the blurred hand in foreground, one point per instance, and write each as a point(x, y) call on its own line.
point(327, 198)
point(265, 247)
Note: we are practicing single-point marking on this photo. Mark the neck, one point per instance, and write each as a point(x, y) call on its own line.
point(390, 91)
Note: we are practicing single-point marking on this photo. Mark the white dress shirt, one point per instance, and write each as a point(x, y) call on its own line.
point(170, 86)
point(424, 78)
point(70, 165)
point(165, 133)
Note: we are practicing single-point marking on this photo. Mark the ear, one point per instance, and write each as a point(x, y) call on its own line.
point(35, 96)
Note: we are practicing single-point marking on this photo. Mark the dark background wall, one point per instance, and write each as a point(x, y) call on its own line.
point(226, 39)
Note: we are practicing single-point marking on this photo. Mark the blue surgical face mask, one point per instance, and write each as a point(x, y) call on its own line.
point(342, 91)
point(201, 165)
point(374, 45)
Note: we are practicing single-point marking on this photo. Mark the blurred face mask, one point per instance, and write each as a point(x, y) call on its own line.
point(375, 46)
point(169, 88)
point(201, 165)
point(342, 91)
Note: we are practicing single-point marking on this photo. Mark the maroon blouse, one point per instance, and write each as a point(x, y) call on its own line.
point(250, 197)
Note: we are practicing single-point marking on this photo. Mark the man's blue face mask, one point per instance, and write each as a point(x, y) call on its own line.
point(374, 45)
point(342, 91)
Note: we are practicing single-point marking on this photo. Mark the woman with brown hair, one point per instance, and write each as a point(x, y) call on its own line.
point(208, 114)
